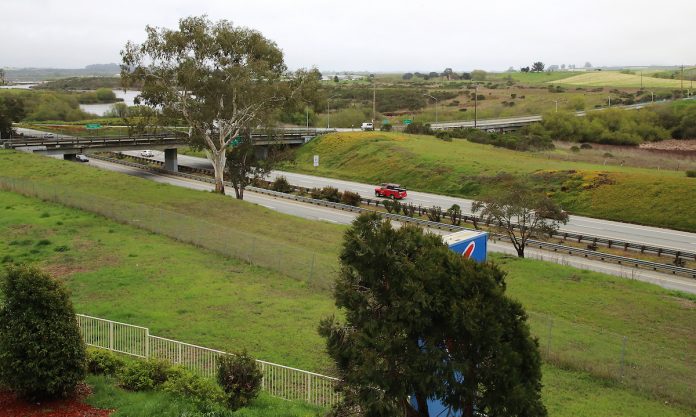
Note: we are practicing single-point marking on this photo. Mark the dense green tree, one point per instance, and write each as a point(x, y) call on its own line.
point(221, 79)
point(41, 350)
point(407, 76)
point(105, 95)
point(11, 110)
point(520, 212)
point(422, 321)
point(538, 66)
point(479, 75)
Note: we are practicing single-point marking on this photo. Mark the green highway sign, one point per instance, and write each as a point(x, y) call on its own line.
point(93, 126)
point(385, 121)
point(408, 121)
point(236, 141)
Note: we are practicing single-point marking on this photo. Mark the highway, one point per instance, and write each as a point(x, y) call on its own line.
point(647, 235)
point(312, 212)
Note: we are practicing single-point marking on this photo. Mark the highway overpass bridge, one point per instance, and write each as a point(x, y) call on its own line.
point(71, 146)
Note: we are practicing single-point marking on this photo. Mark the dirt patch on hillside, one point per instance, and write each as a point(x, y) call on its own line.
point(671, 145)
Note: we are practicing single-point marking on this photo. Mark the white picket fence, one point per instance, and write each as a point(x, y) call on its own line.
point(278, 380)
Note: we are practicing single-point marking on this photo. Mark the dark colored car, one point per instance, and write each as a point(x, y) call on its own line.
point(388, 190)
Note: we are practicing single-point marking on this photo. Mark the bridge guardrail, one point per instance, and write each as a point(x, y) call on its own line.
point(622, 260)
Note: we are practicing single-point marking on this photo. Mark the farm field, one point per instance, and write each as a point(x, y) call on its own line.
point(465, 169)
point(195, 295)
point(618, 79)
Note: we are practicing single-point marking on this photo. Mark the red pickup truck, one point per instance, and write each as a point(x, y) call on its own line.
point(387, 190)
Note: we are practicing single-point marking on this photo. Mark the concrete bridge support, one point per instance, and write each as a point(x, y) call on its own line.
point(261, 152)
point(170, 160)
point(69, 156)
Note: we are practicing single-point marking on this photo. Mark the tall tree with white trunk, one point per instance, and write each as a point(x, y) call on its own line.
point(219, 78)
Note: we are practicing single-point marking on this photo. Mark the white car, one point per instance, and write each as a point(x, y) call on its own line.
point(147, 154)
point(81, 158)
point(367, 126)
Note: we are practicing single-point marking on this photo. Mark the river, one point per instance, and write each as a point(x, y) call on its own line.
point(100, 109)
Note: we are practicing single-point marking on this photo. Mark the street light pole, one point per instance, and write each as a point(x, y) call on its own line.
point(328, 112)
point(556, 101)
point(475, 103)
point(428, 95)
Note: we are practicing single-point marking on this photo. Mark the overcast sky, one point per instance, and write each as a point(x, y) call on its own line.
point(373, 35)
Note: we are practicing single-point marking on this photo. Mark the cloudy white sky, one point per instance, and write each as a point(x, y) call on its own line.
point(374, 35)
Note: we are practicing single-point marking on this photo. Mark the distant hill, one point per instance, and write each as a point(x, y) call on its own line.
point(43, 74)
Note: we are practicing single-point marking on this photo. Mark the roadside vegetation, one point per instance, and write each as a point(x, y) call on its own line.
point(196, 295)
point(461, 168)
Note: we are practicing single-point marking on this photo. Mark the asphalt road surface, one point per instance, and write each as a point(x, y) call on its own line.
point(647, 235)
point(312, 212)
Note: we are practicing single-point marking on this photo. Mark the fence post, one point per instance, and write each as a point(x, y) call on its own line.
point(111, 335)
point(309, 387)
point(623, 356)
point(147, 343)
point(263, 376)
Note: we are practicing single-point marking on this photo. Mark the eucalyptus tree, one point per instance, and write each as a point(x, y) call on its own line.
point(219, 78)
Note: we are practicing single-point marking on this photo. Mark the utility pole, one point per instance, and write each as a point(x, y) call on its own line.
point(556, 101)
point(641, 80)
point(609, 101)
point(475, 103)
point(374, 101)
point(682, 78)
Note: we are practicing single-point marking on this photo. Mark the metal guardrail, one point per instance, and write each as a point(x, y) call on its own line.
point(150, 139)
point(586, 253)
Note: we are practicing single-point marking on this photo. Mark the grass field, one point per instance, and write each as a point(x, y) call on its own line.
point(620, 80)
point(461, 168)
point(187, 293)
point(153, 403)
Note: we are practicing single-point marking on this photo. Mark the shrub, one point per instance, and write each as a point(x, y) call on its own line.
point(240, 378)
point(351, 198)
point(444, 135)
point(585, 146)
point(386, 128)
point(392, 206)
point(103, 362)
point(315, 193)
point(41, 350)
point(691, 173)
point(202, 391)
point(574, 149)
point(330, 194)
point(281, 185)
point(434, 214)
point(143, 375)
point(418, 128)
point(608, 155)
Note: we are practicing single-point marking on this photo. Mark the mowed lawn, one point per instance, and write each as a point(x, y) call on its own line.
point(618, 79)
point(187, 293)
point(461, 168)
